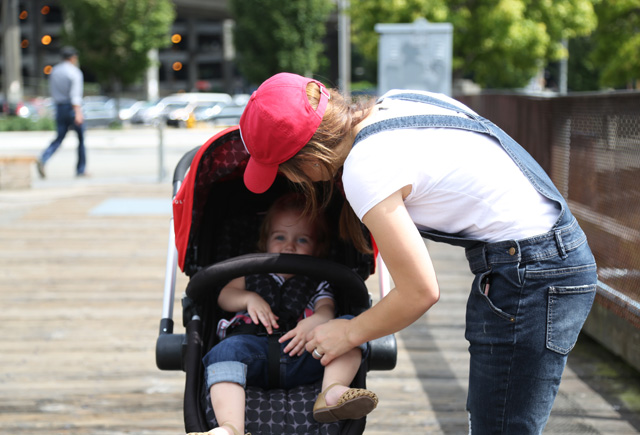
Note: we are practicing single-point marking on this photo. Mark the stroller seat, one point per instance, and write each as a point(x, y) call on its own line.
point(279, 411)
point(213, 240)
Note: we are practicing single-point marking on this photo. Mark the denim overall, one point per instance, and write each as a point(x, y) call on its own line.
point(540, 291)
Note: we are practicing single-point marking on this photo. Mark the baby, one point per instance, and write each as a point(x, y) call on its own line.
point(240, 358)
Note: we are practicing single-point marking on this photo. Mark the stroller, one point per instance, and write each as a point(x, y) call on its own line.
point(212, 238)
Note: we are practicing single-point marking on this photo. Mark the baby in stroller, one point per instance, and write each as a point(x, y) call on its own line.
point(281, 309)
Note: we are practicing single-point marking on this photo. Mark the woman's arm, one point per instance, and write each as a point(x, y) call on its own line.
point(235, 297)
point(416, 288)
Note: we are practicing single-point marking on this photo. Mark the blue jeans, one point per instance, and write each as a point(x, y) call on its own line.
point(243, 359)
point(65, 119)
point(540, 291)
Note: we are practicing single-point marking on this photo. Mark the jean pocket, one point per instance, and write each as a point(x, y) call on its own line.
point(491, 295)
point(567, 310)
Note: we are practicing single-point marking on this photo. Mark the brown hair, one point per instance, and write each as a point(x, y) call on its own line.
point(338, 120)
point(296, 202)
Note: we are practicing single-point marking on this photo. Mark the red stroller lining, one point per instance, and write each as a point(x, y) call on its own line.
point(231, 156)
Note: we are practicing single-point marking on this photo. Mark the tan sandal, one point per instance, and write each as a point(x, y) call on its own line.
point(233, 428)
point(354, 403)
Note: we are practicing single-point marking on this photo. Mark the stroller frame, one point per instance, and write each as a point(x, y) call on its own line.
point(184, 351)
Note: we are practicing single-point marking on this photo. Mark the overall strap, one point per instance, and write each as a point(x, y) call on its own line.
point(428, 99)
point(472, 122)
point(418, 121)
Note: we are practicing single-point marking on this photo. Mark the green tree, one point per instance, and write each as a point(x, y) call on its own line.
point(498, 43)
point(583, 74)
point(113, 37)
point(617, 42)
point(272, 36)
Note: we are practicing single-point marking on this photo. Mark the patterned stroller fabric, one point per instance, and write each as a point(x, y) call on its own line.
point(276, 412)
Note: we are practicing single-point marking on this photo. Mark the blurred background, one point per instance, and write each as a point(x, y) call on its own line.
point(559, 76)
point(145, 50)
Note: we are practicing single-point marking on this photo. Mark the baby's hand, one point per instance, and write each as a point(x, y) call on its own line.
point(298, 337)
point(260, 312)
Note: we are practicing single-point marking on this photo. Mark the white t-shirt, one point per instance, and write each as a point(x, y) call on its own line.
point(462, 182)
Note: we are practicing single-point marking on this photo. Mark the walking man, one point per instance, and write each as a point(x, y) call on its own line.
point(66, 84)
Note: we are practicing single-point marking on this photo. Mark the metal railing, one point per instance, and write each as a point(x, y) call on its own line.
point(590, 146)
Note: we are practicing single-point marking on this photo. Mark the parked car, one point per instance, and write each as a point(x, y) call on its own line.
point(98, 111)
point(101, 111)
point(160, 111)
point(127, 114)
point(203, 113)
point(180, 117)
point(241, 99)
point(146, 114)
point(27, 109)
point(228, 115)
point(122, 105)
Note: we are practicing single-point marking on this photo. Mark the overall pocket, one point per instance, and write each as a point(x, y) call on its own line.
point(567, 310)
point(490, 288)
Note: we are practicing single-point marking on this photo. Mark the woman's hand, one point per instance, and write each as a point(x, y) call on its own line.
point(330, 340)
point(322, 312)
point(260, 312)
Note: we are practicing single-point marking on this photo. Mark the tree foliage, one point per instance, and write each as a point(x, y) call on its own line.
point(498, 43)
point(583, 74)
point(272, 36)
point(617, 42)
point(113, 37)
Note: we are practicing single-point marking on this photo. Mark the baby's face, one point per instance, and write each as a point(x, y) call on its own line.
point(291, 233)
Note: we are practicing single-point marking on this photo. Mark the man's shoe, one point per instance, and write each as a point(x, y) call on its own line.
point(40, 167)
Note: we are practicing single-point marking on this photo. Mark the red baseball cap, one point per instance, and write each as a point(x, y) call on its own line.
point(276, 123)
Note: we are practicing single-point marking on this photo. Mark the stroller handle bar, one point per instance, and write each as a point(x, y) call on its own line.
point(181, 169)
point(345, 280)
point(171, 348)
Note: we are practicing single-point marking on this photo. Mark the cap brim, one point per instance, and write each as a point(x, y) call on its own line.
point(259, 178)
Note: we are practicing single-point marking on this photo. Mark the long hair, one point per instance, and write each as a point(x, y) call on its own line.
point(339, 118)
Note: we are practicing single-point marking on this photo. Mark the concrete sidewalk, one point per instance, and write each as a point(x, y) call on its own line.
point(81, 282)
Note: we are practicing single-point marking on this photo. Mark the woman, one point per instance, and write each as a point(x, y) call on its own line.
point(416, 164)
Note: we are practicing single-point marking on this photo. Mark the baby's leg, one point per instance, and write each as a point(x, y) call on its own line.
point(340, 371)
point(228, 401)
point(337, 401)
point(226, 377)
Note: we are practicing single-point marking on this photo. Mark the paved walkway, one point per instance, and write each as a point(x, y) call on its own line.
point(81, 282)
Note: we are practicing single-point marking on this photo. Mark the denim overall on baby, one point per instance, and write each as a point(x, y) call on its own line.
point(541, 291)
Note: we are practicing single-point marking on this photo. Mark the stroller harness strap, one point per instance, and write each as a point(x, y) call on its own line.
point(289, 298)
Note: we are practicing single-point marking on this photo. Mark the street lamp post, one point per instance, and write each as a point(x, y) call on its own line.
point(12, 84)
point(344, 47)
